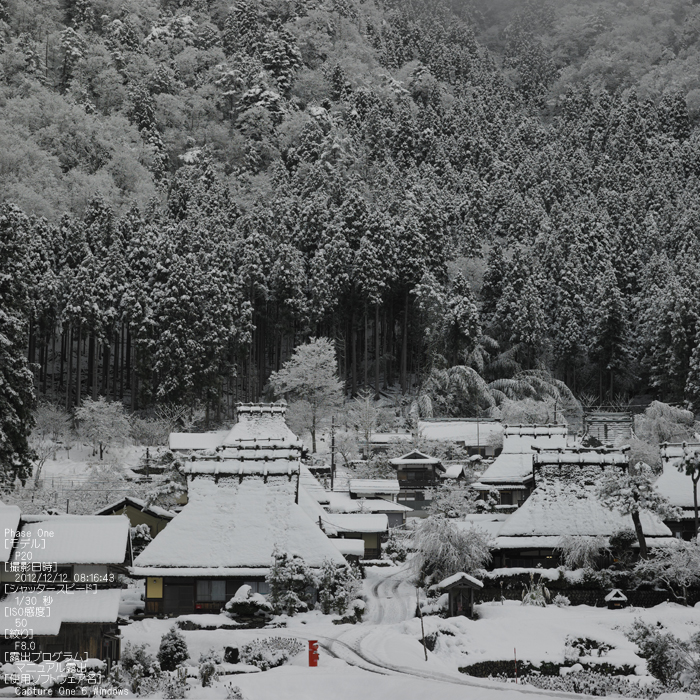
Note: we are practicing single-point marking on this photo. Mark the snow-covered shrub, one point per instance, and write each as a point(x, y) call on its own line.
point(676, 568)
point(676, 663)
point(443, 549)
point(575, 647)
point(173, 650)
point(245, 603)
point(561, 601)
point(395, 548)
point(658, 647)
point(140, 537)
point(453, 499)
point(270, 652)
point(337, 586)
point(208, 661)
point(355, 611)
point(233, 692)
point(621, 542)
point(291, 584)
point(435, 606)
point(535, 593)
point(592, 683)
point(174, 687)
point(141, 671)
point(582, 552)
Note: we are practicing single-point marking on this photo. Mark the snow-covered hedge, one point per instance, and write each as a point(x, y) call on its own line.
point(270, 652)
point(592, 683)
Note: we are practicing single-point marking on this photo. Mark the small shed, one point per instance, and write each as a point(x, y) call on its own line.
point(460, 587)
point(616, 599)
point(139, 512)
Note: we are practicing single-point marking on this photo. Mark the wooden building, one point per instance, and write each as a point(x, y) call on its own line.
point(139, 512)
point(564, 504)
point(511, 475)
point(243, 504)
point(460, 589)
point(371, 528)
point(417, 474)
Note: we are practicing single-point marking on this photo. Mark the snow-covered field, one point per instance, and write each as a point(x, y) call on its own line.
point(383, 657)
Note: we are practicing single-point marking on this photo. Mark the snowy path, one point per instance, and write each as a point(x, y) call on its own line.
point(375, 646)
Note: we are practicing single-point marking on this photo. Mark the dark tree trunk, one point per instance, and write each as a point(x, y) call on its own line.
point(78, 368)
point(64, 343)
point(127, 359)
point(69, 359)
point(640, 534)
point(91, 379)
point(115, 369)
point(404, 346)
point(353, 335)
point(695, 478)
point(105, 369)
point(376, 350)
point(365, 384)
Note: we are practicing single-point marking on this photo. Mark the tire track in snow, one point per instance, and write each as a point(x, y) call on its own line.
point(357, 654)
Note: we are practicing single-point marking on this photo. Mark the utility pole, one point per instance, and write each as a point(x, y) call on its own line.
point(332, 450)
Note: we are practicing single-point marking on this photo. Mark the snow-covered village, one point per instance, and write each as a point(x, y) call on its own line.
point(350, 349)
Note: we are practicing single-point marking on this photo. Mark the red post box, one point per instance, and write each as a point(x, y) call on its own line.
point(313, 652)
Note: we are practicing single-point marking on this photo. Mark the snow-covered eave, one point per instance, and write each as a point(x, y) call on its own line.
point(140, 505)
point(197, 572)
point(535, 430)
point(505, 483)
point(243, 467)
point(553, 541)
point(458, 578)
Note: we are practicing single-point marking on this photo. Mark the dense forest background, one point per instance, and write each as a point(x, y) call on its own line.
point(191, 189)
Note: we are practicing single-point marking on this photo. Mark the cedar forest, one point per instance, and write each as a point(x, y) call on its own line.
point(191, 189)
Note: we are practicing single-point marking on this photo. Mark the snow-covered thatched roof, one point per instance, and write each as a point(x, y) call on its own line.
point(313, 486)
point(349, 547)
point(490, 523)
point(237, 523)
point(357, 522)
point(9, 519)
point(471, 432)
point(76, 539)
point(508, 468)
point(262, 422)
point(514, 465)
point(673, 453)
point(564, 509)
point(582, 457)
point(676, 486)
point(389, 438)
point(369, 486)
point(521, 439)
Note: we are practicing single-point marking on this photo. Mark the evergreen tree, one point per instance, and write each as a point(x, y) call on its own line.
point(16, 382)
point(610, 330)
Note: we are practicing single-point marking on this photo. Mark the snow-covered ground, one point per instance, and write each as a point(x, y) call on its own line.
point(383, 657)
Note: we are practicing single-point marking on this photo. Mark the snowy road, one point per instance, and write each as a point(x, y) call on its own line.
point(377, 646)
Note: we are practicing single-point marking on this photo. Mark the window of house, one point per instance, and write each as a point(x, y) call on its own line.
point(211, 591)
point(506, 498)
